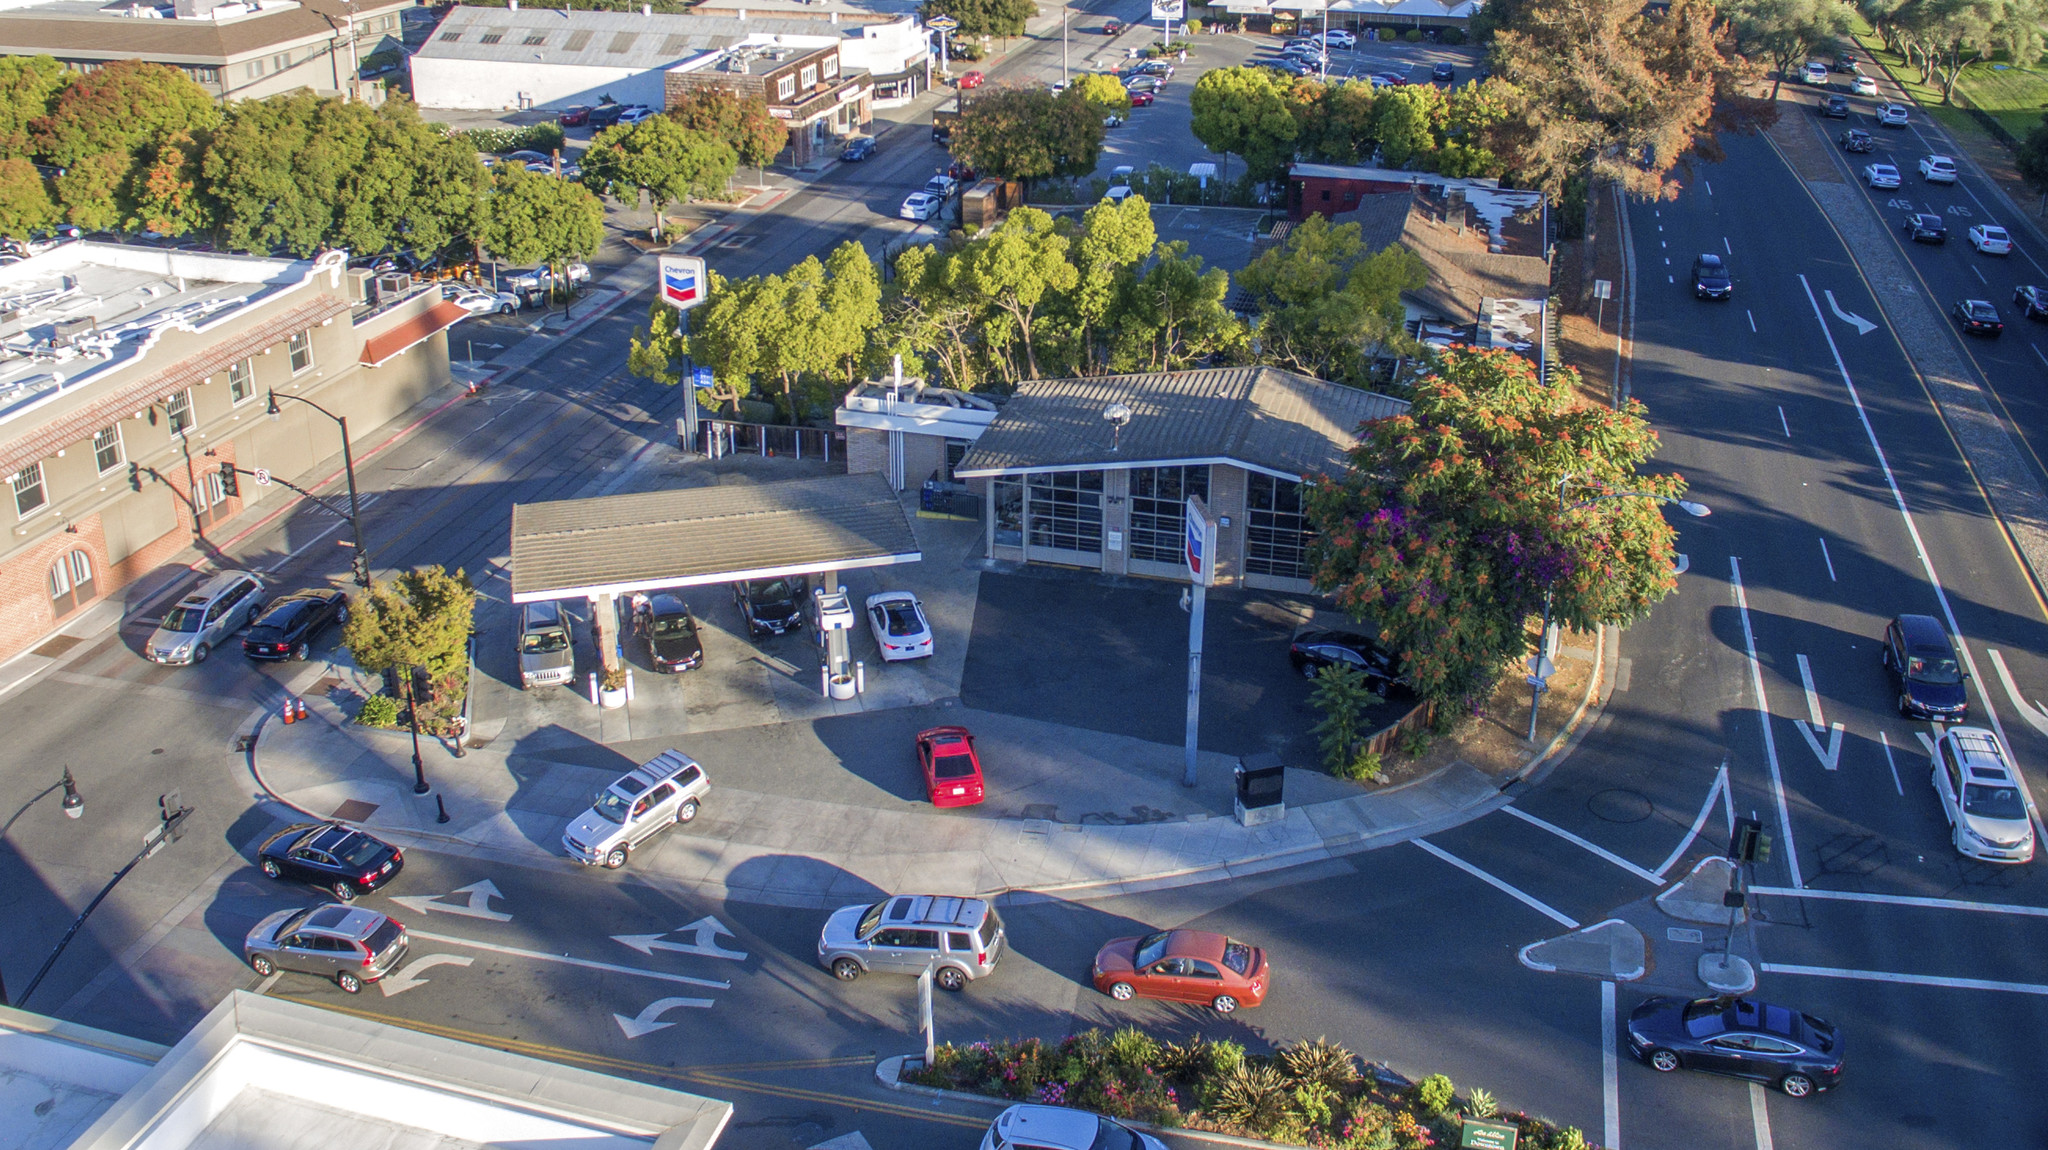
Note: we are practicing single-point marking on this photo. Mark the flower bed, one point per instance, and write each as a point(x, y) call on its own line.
point(1308, 1094)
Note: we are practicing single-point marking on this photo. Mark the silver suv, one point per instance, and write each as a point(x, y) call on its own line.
point(959, 938)
point(547, 656)
point(348, 944)
point(664, 791)
point(208, 614)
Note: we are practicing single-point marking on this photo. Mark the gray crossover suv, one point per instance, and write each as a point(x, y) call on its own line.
point(959, 938)
point(348, 944)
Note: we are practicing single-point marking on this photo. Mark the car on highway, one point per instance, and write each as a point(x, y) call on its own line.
point(290, 624)
point(1710, 278)
point(1033, 1126)
point(1337, 38)
point(1881, 175)
point(951, 766)
point(204, 617)
point(1846, 62)
point(1143, 99)
point(477, 301)
point(1981, 797)
point(970, 80)
point(920, 206)
point(1978, 317)
point(547, 657)
point(575, 117)
point(1815, 72)
point(1857, 140)
point(336, 858)
point(898, 621)
point(1444, 74)
point(1926, 228)
point(352, 945)
point(1194, 966)
point(1990, 240)
point(673, 641)
point(1938, 169)
point(1742, 1037)
point(959, 939)
point(2033, 300)
point(1313, 650)
point(1865, 86)
point(664, 791)
point(1925, 670)
point(1891, 115)
point(858, 148)
point(1835, 107)
point(771, 606)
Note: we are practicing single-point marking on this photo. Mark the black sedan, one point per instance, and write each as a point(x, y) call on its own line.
point(2033, 300)
point(1978, 317)
point(288, 627)
point(771, 606)
point(1925, 670)
point(341, 859)
point(1857, 140)
point(671, 631)
point(1311, 651)
point(1925, 228)
point(1795, 1052)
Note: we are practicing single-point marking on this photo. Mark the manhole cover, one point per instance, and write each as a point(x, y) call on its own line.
point(354, 811)
point(1617, 805)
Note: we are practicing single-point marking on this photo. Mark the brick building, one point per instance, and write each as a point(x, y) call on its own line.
point(128, 375)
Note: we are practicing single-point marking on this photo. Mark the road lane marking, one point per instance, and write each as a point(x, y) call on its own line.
point(649, 1019)
point(585, 963)
point(1752, 325)
point(1889, 762)
point(2038, 355)
point(411, 974)
point(2031, 712)
point(478, 905)
point(1912, 900)
point(1828, 559)
point(1763, 707)
point(1919, 547)
point(1781, 407)
point(704, 940)
point(1980, 275)
point(1908, 979)
point(1720, 788)
point(1759, 1116)
point(1726, 246)
point(1610, 1070)
point(1806, 680)
point(1862, 326)
point(1710, 191)
point(1575, 840)
point(1501, 885)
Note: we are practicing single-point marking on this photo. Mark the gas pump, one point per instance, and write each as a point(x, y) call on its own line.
point(835, 618)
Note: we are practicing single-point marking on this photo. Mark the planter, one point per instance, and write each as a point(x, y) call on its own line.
point(610, 699)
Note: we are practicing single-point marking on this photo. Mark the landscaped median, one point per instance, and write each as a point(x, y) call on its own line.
point(1307, 1094)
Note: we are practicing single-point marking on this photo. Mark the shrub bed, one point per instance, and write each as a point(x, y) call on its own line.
point(1307, 1094)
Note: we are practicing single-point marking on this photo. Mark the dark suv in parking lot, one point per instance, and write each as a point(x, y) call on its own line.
point(771, 606)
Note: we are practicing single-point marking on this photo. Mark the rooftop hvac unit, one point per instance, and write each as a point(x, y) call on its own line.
point(69, 331)
point(391, 285)
point(359, 284)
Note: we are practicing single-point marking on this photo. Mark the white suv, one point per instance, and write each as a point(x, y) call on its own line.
point(663, 792)
point(1034, 1127)
point(1983, 800)
point(1938, 170)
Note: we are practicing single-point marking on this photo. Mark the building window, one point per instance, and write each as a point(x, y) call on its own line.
point(1159, 502)
point(830, 67)
point(302, 351)
point(28, 490)
point(1009, 513)
point(242, 380)
point(178, 410)
point(578, 41)
point(1066, 511)
point(956, 450)
point(71, 583)
point(254, 69)
point(450, 37)
point(203, 74)
point(536, 39)
point(282, 62)
point(1277, 535)
point(785, 88)
point(809, 79)
point(106, 448)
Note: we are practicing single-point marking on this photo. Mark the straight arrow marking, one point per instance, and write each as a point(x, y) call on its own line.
point(479, 906)
point(1812, 696)
point(646, 1022)
point(703, 932)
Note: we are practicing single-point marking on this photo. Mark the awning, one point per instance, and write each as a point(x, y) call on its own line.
point(380, 349)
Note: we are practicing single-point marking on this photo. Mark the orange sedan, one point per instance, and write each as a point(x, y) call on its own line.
point(952, 771)
point(1183, 966)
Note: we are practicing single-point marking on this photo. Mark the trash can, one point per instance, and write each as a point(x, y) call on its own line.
point(1260, 779)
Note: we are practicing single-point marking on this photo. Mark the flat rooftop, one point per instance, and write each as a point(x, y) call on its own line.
point(58, 1078)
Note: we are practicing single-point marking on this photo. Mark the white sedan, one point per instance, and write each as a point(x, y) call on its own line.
point(1990, 240)
point(1866, 86)
point(1881, 176)
point(477, 301)
point(1938, 170)
point(897, 619)
point(920, 206)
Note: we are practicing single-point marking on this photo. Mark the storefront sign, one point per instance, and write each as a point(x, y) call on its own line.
point(1167, 9)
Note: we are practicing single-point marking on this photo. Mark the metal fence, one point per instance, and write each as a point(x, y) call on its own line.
point(718, 438)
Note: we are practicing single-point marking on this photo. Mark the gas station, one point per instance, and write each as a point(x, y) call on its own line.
point(604, 548)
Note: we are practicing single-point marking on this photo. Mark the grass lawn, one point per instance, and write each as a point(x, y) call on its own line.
point(2015, 97)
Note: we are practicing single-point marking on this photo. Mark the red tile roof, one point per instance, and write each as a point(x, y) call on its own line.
point(380, 348)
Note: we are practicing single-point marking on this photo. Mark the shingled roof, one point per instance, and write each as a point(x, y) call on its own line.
point(1260, 418)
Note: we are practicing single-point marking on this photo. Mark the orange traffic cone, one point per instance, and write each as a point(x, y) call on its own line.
point(302, 710)
point(290, 716)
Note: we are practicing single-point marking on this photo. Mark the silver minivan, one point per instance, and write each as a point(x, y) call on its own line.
point(208, 614)
point(547, 657)
point(960, 939)
point(662, 792)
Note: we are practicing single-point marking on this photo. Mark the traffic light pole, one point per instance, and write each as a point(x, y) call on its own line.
point(360, 565)
point(174, 815)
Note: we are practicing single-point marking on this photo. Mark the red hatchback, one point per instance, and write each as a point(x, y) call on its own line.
point(971, 80)
point(1183, 966)
point(1141, 99)
point(952, 771)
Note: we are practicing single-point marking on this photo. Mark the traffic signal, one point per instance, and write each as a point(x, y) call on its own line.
point(228, 483)
point(359, 566)
point(1749, 843)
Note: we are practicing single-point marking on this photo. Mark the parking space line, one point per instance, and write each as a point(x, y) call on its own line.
point(1908, 979)
point(1575, 840)
point(586, 963)
point(1905, 900)
point(1501, 885)
point(1610, 1071)
point(1759, 1116)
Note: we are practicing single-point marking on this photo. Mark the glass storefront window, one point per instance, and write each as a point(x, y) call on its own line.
point(1277, 534)
point(1066, 511)
point(1009, 513)
point(1159, 500)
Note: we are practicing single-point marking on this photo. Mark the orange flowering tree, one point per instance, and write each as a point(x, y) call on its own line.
point(1456, 518)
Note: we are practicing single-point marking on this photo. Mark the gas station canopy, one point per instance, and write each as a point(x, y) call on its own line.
point(618, 544)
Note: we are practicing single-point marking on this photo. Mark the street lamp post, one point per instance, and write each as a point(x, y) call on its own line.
point(361, 564)
point(412, 709)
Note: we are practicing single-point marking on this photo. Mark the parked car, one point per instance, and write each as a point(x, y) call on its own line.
point(1144, 82)
point(527, 156)
point(1990, 240)
point(1444, 74)
point(673, 643)
point(204, 618)
point(1926, 228)
point(1390, 79)
point(1032, 1126)
point(349, 944)
point(952, 769)
point(961, 172)
point(1924, 667)
point(2033, 301)
point(1294, 67)
point(1815, 73)
point(336, 858)
point(287, 628)
point(943, 186)
point(1338, 38)
point(546, 655)
point(920, 206)
point(1881, 175)
point(1938, 170)
point(1857, 140)
point(771, 606)
point(1865, 86)
point(1981, 797)
point(1710, 278)
point(575, 117)
point(477, 301)
point(1311, 651)
point(1183, 966)
point(1891, 115)
point(1742, 1037)
point(1835, 107)
point(1158, 68)
point(663, 792)
point(1978, 317)
point(1142, 99)
point(1112, 27)
point(636, 114)
point(971, 80)
point(960, 939)
point(898, 621)
point(1112, 121)
point(858, 148)
point(605, 115)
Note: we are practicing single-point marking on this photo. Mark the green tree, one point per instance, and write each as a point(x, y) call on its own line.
point(25, 203)
point(1447, 530)
point(1103, 92)
point(1114, 239)
point(169, 198)
point(1017, 268)
point(852, 311)
point(28, 90)
point(1787, 32)
point(743, 123)
point(656, 351)
point(1951, 35)
point(984, 17)
point(421, 618)
point(537, 219)
point(106, 129)
point(2031, 158)
point(1401, 123)
point(928, 316)
point(1252, 113)
point(1028, 133)
point(1327, 306)
point(1173, 316)
point(1343, 696)
point(672, 162)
